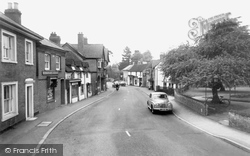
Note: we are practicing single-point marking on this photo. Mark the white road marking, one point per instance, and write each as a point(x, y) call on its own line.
point(128, 134)
point(119, 108)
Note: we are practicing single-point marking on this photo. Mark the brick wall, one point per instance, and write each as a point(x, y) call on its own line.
point(42, 104)
point(19, 71)
point(193, 104)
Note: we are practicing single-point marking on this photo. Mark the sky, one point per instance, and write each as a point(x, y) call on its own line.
point(154, 25)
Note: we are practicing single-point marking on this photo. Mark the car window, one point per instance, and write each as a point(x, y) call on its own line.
point(161, 96)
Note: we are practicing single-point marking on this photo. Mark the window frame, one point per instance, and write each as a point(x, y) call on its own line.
point(14, 92)
point(49, 61)
point(7, 33)
point(58, 63)
point(29, 62)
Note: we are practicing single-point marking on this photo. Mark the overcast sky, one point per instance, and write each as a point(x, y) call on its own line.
point(154, 25)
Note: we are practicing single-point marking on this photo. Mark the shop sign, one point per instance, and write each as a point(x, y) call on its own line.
point(50, 72)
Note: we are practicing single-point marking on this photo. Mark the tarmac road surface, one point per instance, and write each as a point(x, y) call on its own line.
point(121, 125)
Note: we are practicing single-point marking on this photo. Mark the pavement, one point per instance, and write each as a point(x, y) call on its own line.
point(36, 131)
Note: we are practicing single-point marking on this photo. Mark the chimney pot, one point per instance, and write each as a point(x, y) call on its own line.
point(54, 38)
point(15, 5)
point(9, 5)
point(13, 14)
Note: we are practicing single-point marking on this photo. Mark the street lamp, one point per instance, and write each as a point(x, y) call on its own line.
point(215, 79)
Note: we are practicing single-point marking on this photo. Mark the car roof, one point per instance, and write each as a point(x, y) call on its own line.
point(155, 93)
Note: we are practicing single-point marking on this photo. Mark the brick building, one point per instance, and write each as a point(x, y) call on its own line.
point(17, 69)
point(78, 77)
point(50, 74)
point(97, 57)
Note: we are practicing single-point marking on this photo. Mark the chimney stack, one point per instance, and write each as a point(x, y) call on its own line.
point(85, 41)
point(80, 45)
point(13, 13)
point(54, 38)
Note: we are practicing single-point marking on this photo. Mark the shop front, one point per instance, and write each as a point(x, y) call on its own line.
point(72, 90)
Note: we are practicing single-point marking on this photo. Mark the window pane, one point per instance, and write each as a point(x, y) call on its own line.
point(8, 98)
point(28, 52)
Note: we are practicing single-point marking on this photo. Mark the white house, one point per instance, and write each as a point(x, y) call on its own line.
point(125, 73)
point(158, 76)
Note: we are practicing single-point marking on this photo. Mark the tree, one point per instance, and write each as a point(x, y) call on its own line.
point(224, 52)
point(113, 71)
point(147, 56)
point(126, 58)
point(136, 57)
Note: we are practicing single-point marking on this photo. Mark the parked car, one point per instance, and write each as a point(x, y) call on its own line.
point(122, 83)
point(158, 101)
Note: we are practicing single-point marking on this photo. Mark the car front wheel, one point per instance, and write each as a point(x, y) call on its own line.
point(152, 109)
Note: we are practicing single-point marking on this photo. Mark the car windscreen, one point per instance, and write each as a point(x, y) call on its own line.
point(161, 96)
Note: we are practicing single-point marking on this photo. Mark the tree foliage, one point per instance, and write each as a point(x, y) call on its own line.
point(147, 56)
point(224, 51)
point(137, 56)
point(126, 58)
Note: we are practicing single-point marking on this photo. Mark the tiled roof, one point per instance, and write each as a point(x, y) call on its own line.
point(138, 67)
point(23, 29)
point(49, 43)
point(128, 67)
point(91, 50)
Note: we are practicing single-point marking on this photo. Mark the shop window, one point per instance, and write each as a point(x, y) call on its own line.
point(51, 89)
point(74, 90)
point(9, 100)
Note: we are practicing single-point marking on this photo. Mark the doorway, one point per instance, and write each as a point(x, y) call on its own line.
point(29, 101)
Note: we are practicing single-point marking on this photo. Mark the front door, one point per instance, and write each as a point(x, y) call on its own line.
point(29, 102)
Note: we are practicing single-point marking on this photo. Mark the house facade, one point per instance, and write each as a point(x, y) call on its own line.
point(125, 72)
point(78, 77)
point(97, 56)
point(158, 76)
point(50, 75)
point(151, 74)
point(137, 75)
point(18, 69)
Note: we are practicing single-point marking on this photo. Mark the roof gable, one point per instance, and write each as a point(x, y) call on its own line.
point(91, 50)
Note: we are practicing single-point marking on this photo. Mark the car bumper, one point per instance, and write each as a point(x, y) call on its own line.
point(163, 109)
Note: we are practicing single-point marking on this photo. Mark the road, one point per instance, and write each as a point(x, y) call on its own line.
point(121, 125)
